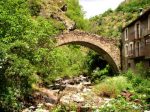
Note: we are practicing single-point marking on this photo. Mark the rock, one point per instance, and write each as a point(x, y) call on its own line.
point(59, 86)
point(107, 100)
point(50, 86)
point(85, 90)
point(64, 7)
point(75, 88)
point(65, 99)
point(86, 83)
point(50, 100)
point(26, 110)
point(41, 110)
point(39, 105)
point(32, 108)
point(82, 77)
point(66, 81)
point(49, 105)
point(56, 92)
point(126, 94)
point(58, 80)
point(77, 98)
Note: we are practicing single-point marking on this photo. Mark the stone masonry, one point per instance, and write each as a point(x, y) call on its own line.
point(107, 48)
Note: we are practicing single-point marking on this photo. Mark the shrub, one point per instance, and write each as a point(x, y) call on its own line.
point(120, 105)
point(111, 87)
point(97, 75)
point(65, 108)
point(35, 6)
point(141, 85)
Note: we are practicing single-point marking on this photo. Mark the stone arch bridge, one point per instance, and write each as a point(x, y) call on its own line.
point(107, 48)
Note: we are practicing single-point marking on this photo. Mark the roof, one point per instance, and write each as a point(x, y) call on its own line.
point(138, 18)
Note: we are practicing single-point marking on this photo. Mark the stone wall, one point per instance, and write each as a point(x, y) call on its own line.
point(107, 48)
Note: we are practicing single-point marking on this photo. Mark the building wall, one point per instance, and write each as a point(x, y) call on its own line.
point(136, 43)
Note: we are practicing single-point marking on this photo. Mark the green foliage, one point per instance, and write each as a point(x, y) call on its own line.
point(27, 54)
point(110, 23)
point(66, 62)
point(98, 68)
point(35, 6)
point(141, 86)
point(120, 105)
point(75, 13)
point(98, 75)
point(112, 87)
point(133, 5)
point(65, 108)
point(25, 44)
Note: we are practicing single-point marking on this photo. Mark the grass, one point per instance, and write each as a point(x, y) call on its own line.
point(112, 87)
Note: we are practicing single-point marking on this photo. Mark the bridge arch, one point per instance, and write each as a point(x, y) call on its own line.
point(107, 48)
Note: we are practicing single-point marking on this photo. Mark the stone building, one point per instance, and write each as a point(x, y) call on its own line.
point(136, 42)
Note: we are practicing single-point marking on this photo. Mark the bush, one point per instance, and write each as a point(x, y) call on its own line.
point(65, 108)
point(98, 75)
point(35, 7)
point(24, 47)
point(141, 86)
point(66, 62)
point(120, 105)
point(111, 87)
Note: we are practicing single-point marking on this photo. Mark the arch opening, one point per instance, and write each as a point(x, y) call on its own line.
point(106, 58)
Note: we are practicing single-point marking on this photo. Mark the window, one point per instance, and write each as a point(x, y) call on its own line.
point(126, 34)
point(129, 65)
point(138, 48)
point(131, 48)
point(137, 30)
point(149, 22)
point(126, 50)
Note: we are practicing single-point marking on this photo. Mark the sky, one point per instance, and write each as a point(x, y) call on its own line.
point(95, 7)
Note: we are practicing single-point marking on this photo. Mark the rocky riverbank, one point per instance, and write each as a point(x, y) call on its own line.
point(67, 91)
